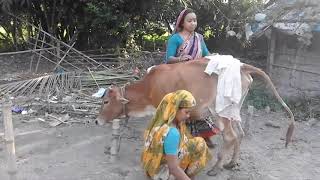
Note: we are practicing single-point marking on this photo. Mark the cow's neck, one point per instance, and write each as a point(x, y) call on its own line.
point(139, 102)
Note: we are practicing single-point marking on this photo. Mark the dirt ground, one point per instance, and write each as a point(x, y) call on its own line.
point(80, 151)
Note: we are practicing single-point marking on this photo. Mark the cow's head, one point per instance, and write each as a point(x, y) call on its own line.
point(113, 105)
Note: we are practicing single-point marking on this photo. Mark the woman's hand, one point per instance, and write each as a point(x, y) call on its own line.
point(174, 168)
point(185, 58)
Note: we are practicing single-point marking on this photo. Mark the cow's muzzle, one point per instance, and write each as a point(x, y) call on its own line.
point(100, 121)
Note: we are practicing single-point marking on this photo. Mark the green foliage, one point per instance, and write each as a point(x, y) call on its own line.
point(122, 23)
point(303, 108)
point(259, 97)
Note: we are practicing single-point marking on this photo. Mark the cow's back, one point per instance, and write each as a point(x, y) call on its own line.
point(189, 76)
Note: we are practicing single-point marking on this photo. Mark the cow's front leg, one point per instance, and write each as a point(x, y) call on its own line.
point(229, 140)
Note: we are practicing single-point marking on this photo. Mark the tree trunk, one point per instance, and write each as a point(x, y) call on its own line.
point(29, 28)
point(82, 39)
point(14, 34)
point(53, 17)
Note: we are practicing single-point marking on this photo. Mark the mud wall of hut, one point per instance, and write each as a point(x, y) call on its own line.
point(295, 68)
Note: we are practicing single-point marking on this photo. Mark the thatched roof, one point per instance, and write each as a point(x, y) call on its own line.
point(294, 17)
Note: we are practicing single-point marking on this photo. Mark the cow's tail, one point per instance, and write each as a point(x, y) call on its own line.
point(253, 70)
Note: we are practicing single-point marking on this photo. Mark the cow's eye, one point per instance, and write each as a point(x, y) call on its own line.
point(105, 102)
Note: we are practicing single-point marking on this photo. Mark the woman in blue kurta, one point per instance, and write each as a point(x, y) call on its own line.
point(185, 44)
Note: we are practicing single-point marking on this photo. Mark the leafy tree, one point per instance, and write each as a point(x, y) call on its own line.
point(122, 23)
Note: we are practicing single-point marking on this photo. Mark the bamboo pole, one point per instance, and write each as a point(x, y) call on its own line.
point(296, 69)
point(26, 51)
point(93, 77)
point(53, 54)
point(249, 120)
point(58, 50)
point(45, 43)
point(55, 62)
point(64, 61)
point(86, 58)
point(115, 145)
point(34, 48)
point(40, 53)
point(58, 64)
point(271, 54)
point(9, 139)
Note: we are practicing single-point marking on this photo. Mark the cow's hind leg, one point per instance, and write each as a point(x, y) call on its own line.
point(246, 83)
point(236, 151)
point(229, 140)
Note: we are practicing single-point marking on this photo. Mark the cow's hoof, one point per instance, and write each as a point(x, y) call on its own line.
point(231, 165)
point(107, 150)
point(214, 171)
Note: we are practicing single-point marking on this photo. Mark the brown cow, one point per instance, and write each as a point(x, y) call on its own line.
point(142, 97)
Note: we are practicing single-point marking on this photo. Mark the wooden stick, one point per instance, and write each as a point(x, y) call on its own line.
point(38, 48)
point(25, 133)
point(296, 69)
point(26, 51)
point(107, 63)
point(53, 54)
point(54, 117)
point(35, 47)
point(87, 58)
point(271, 54)
point(248, 120)
point(43, 39)
point(58, 49)
point(9, 139)
point(115, 145)
point(54, 62)
point(58, 64)
point(52, 47)
point(93, 77)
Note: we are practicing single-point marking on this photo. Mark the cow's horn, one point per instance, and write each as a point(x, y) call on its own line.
point(124, 100)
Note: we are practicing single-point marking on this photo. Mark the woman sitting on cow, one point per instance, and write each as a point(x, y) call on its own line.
point(168, 147)
point(185, 44)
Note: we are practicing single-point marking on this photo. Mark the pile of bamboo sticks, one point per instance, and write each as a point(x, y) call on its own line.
point(53, 83)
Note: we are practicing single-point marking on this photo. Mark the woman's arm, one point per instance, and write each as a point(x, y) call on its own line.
point(172, 46)
point(170, 147)
point(205, 51)
point(172, 60)
point(174, 168)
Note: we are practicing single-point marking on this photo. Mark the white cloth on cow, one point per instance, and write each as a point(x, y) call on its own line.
point(229, 90)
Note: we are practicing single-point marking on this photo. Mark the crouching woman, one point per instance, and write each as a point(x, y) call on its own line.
point(169, 148)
